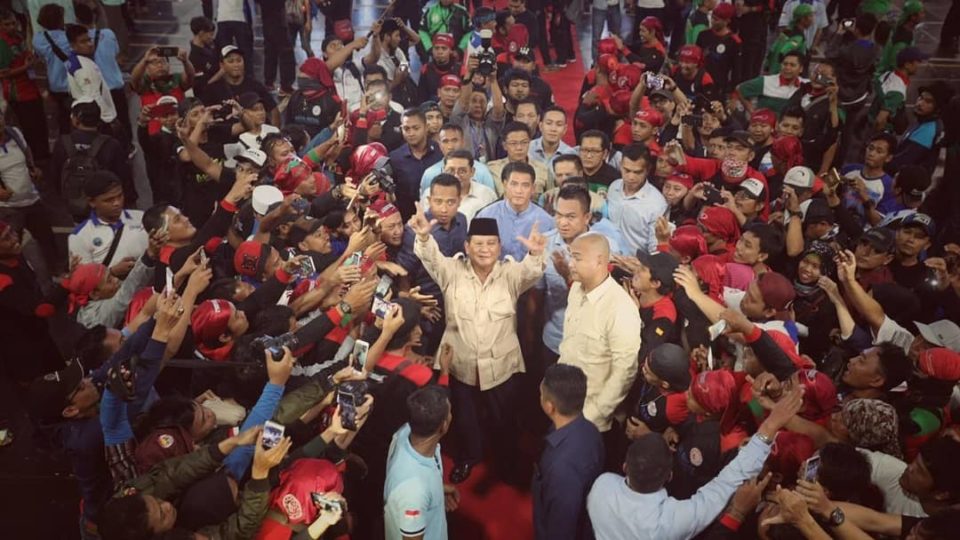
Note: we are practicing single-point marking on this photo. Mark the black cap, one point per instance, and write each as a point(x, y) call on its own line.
point(524, 52)
point(47, 395)
point(248, 99)
point(99, 183)
point(662, 266)
point(739, 136)
point(819, 211)
point(483, 227)
point(881, 239)
point(672, 364)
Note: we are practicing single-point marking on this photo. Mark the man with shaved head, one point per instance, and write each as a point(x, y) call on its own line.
point(601, 331)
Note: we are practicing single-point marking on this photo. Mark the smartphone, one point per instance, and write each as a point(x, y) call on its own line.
point(713, 196)
point(164, 226)
point(653, 81)
point(717, 329)
point(272, 434)
point(168, 52)
point(169, 286)
point(307, 267)
point(380, 307)
point(383, 287)
point(354, 259)
point(811, 467)
point(300, 206)
point(203, 257)
point(360, 350)
point(323, 503)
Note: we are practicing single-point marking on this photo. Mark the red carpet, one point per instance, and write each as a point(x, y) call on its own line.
point(489, 509)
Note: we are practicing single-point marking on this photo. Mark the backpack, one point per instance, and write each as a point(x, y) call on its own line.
point(294, 11)
point(78, 167)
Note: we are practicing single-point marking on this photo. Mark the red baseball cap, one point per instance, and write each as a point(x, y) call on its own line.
point(720, 221)
point(691, 54)
point(940, 363)
point(777, 291)
point(764, 116)
point(724, 11)
point(383, 208)
point(81, 282)
point(714, 390)
point(209, 320)
point(443, 39)
point(650, 116)
point(684, 180)
point(628, 76)
point(450, 80)
point(250, 258)
point(607, 46)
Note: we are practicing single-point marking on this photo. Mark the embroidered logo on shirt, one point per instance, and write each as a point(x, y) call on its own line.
point(696, 457)
point(291, 505)
point(652, 408)
point(411, 514)
point(165, 441)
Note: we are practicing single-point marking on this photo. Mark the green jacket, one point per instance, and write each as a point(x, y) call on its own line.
point(788, 40)
point(169, 478)
point(453, 20)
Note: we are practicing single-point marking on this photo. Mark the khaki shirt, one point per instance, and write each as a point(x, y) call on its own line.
point(601, 336)
point(481, 317)
point(541, 181)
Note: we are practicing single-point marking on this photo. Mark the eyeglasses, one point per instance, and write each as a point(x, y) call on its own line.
point(591, 150)
point(459, 172)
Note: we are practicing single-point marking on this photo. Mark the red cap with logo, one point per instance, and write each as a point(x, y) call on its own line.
point(764, 116)
point(940, 363)
point(650, 116)
point(449, 80)
point(724, 11)
point(209, 320)
point(443, 39)
point(691, 54)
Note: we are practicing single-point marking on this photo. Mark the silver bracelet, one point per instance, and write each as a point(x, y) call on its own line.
point(763, 438)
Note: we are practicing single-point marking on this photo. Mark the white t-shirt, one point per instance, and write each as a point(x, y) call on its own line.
point(885, 472)
point(820, 19)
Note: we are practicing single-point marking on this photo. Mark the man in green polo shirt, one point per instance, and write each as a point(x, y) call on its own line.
point(773, 91)
point(790, 39)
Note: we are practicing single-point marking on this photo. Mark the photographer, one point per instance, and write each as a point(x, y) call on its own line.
point(151, 79)
point(481, 127)
point(385, 51)
point(236, 81)
point(819, 101)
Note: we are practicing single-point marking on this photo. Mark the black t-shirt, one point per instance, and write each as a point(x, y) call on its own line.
point(908, 276)
point(603, 177)
point(201, 192)
point(222, 90)
point(207, 62)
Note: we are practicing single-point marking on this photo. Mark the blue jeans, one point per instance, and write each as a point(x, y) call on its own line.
point(611, 16)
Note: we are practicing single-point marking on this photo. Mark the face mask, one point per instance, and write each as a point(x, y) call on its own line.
point(733, 168)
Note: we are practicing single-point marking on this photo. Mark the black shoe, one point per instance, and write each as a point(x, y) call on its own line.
point(460, 472)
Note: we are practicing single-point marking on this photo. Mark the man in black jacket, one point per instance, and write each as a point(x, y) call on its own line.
point(855, 63)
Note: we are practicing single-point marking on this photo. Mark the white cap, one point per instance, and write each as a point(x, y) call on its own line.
point(167, 100)
point(753, 186)
point(264, 197)
point(799, 176)
point(942, 333)
point(226, 50)
point(257, 157)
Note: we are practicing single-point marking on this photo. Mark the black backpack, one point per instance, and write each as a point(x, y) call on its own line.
point(78, 167)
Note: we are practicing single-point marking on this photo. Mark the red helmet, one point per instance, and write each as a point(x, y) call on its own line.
point(365, 159)
point(607, 46)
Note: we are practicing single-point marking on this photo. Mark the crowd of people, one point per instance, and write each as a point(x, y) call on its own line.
point(735, 255)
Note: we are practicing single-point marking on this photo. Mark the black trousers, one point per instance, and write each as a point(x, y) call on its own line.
point(560, 29)
point(32, 121)
point(240, 34)
point(63, 101)
point(485, 414)
point(277, 47)
point(951, 25)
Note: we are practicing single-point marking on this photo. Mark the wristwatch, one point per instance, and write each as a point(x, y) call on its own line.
point(837, 517)
point(345, 308)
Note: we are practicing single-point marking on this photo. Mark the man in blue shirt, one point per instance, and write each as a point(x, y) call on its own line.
point(451, 235)
point(638, 508)
point(415, 498)
point(634, 203)
point(515, 214)
point(572, 457)
point(411, 160)
point(451, 138)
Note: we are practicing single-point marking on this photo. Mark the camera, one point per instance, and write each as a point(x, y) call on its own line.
point(383, 173)
point(350, 395)
point(713, 196)
point(653, 81)
point(276, 344)
point(692, 120)
point(324, 504)
point(117, 383)
point(486, 54)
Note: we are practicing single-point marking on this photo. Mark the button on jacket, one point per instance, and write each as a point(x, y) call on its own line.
point(602, 337)
point(481, 316)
